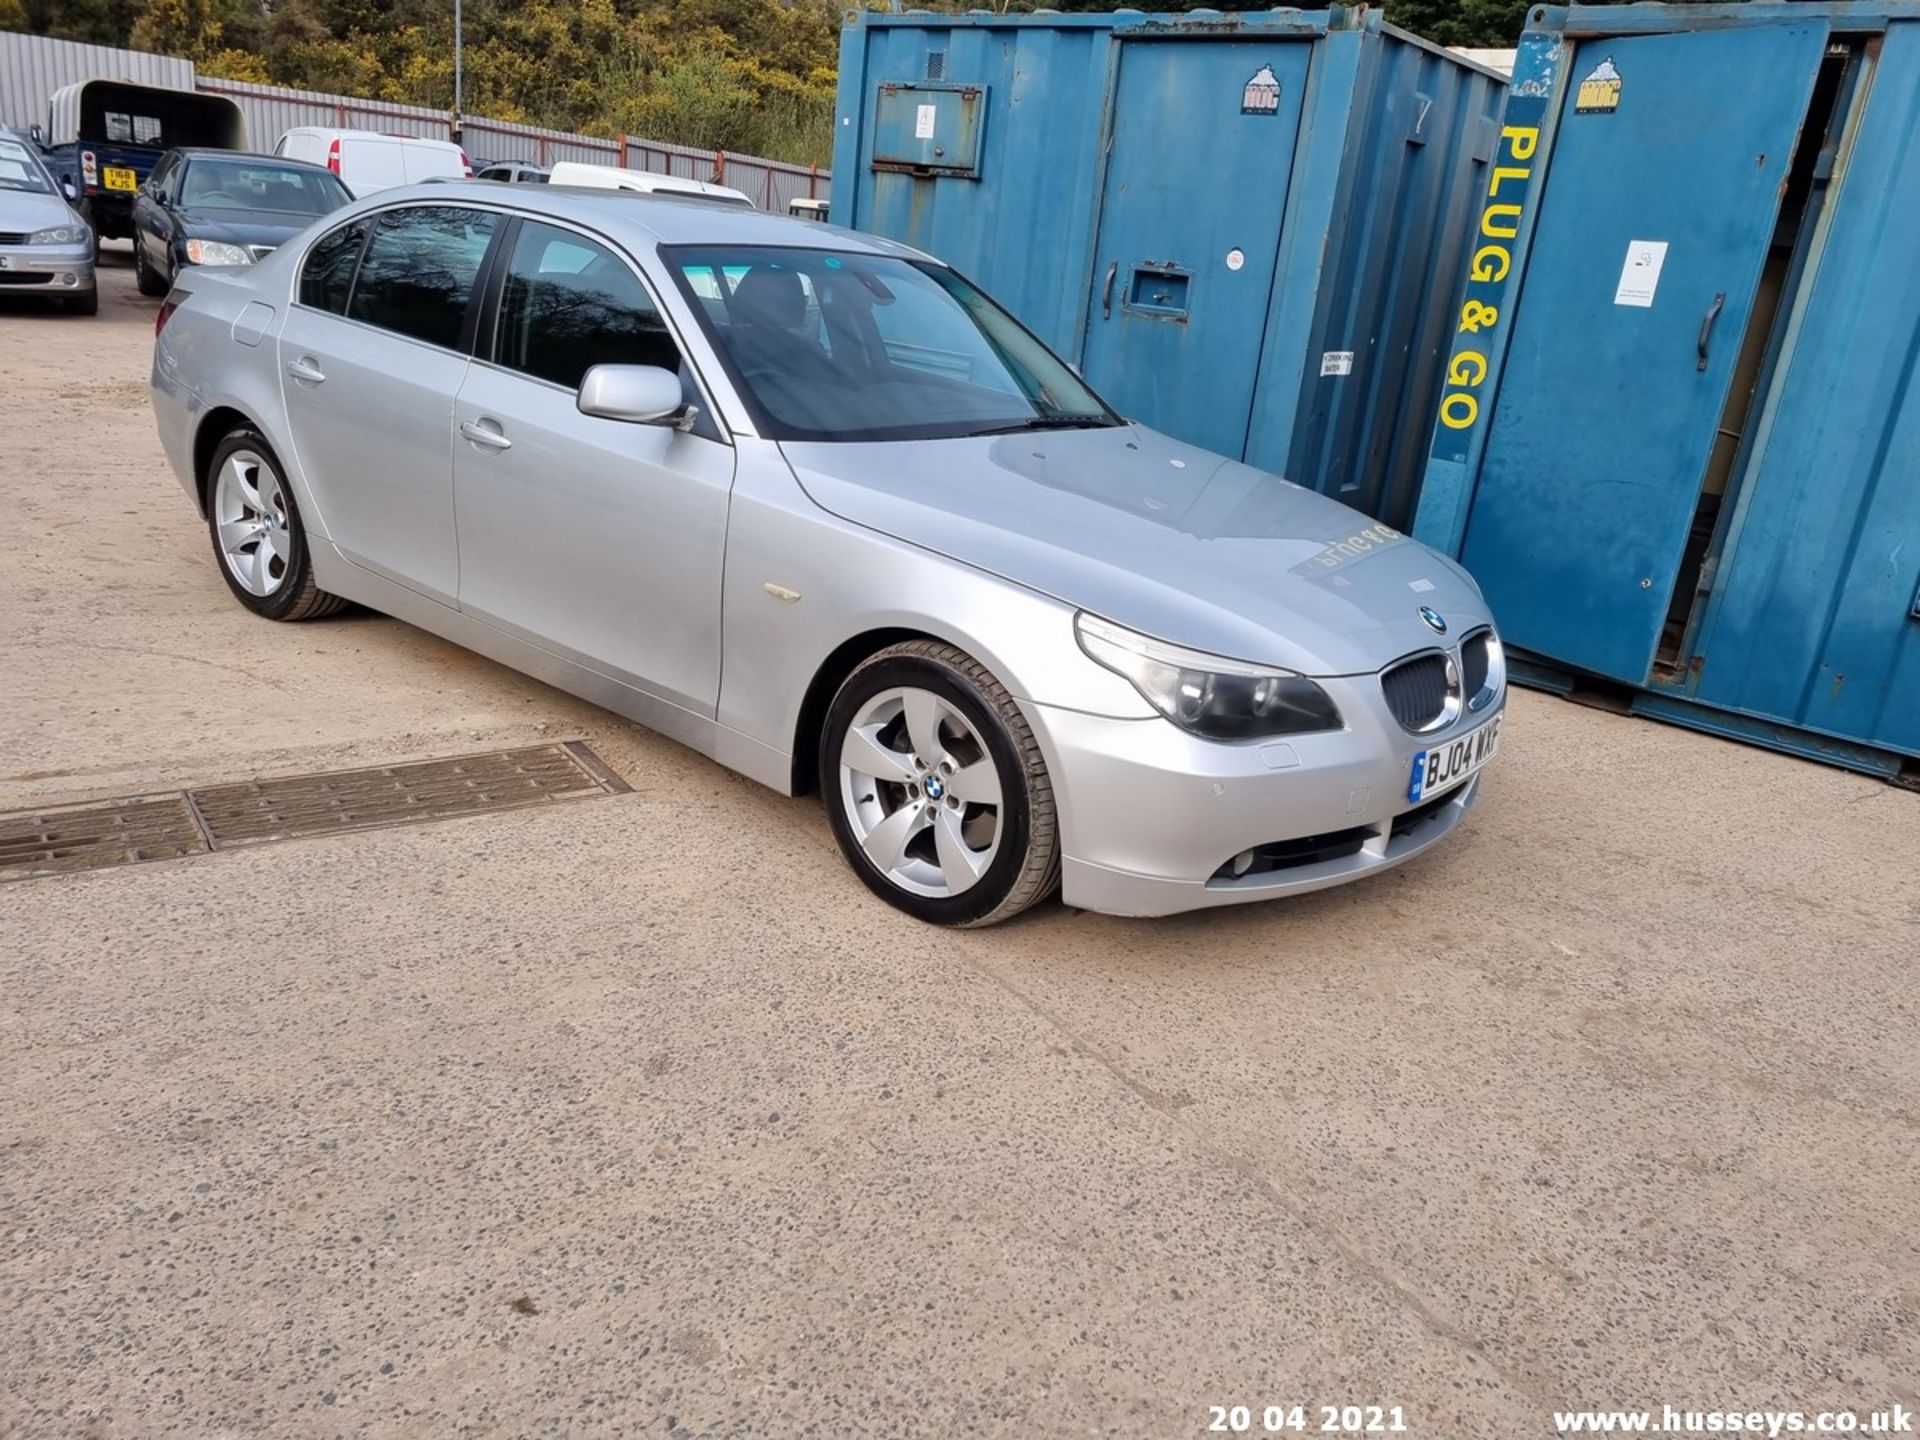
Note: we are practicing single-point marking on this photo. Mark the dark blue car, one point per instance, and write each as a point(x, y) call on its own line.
point(213, 207)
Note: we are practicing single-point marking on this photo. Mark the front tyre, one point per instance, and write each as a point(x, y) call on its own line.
point(145, 279)
point(258, 538)
point(936, 789)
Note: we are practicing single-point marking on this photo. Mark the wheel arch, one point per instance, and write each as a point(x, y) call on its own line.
point(841, 662)
point(218, 423)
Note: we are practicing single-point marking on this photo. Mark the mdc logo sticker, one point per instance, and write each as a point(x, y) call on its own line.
point(1599, 93)
point(1262, 95)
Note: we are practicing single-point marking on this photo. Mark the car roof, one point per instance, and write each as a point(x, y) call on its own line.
point(214, 152)
point(353, 134)
point(655, 219)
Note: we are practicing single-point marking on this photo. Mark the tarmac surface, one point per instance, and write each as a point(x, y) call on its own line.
point(638, 1115)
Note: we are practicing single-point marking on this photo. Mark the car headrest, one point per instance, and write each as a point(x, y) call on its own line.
point(770, 297)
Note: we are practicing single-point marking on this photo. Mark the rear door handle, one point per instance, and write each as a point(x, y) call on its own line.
point(480, 434)
point(305, 369)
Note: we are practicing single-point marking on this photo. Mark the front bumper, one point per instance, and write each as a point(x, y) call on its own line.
point(1150, 815)
point(46, 269)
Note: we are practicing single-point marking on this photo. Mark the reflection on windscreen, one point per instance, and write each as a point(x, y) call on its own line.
point(833, 346)
point(19, 170)
point(227, 185)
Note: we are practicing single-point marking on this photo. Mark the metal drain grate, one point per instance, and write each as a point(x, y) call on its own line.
point(221, 817)
point(81, 837)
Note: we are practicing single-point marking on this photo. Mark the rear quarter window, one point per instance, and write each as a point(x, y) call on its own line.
point(327, 277)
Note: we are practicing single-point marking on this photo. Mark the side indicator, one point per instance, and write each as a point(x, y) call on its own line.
point(780, 592)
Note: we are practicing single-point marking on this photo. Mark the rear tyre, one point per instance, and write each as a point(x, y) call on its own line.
point(87, 304)
point(936, 789)
point(259, 541)
point(151, 285)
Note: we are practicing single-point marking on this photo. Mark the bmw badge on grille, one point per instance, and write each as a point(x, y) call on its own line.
point(1435, 620)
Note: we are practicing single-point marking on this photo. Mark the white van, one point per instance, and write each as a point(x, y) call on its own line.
point(368, 161)
point(643, 182)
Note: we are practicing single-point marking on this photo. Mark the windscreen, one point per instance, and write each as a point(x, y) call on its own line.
point(19, 170)
point(259, 185)
point(826, 345)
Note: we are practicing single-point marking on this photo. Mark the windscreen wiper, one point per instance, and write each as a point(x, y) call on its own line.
point(1051, 422)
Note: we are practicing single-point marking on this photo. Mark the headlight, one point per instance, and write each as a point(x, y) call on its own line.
point(1208, 695)
point(217, 252)
point(59, 235)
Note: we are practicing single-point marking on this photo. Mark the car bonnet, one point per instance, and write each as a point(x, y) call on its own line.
point(1168, 539)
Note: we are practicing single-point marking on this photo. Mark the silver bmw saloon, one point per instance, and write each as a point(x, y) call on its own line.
point(812, 504)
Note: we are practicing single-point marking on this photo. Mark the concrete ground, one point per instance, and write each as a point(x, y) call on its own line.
point(639, 1116)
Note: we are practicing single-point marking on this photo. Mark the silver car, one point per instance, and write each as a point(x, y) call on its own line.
point(810, 503)
point(46, 248)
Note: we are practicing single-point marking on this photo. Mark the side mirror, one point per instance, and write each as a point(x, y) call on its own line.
point(637, 394)
point(37, 135)
point(66, 189)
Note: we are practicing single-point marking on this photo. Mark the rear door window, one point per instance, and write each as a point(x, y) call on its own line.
point(417, 277)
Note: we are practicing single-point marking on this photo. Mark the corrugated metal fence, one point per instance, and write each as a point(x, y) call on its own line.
point(32, 67)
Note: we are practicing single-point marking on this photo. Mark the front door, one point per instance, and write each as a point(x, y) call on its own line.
point(1181, 281)
point(1659, 207)
point(598, 540)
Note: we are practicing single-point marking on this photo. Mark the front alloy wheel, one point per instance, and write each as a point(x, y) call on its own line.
point(936, 789)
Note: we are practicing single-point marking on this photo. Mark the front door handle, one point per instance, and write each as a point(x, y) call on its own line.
point(1106, 292)
point(1706, 326)
point(305, 369)
point(485, 433)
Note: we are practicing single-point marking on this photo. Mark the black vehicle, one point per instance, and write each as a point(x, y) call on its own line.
point(214, 207)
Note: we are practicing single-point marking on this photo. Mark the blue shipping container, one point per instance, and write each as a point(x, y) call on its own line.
point(1248, 230)
point(1680, 434)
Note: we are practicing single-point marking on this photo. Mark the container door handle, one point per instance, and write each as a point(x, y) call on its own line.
point(1706, 325)
point(1106, 292)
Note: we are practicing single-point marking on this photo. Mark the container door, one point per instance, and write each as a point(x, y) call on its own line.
point(1202, 137)
point(1661, 197)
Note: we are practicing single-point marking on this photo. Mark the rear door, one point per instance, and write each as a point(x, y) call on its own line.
point(370, 163)
point(371, 357)
point(1181, 281)
point(1659, 207)
point(423, 162)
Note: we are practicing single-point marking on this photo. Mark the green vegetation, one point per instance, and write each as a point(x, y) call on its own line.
point(756, 76)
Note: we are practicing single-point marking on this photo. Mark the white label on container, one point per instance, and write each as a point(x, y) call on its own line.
point(1640, 273)
point(1236, 258)
point(1337, 362)
point(923, 119)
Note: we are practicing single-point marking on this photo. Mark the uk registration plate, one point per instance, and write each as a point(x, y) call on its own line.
point(118, 178)
point(1445, 766)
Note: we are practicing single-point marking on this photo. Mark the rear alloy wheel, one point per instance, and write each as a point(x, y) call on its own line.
point(257, 535)
point(936, 789)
